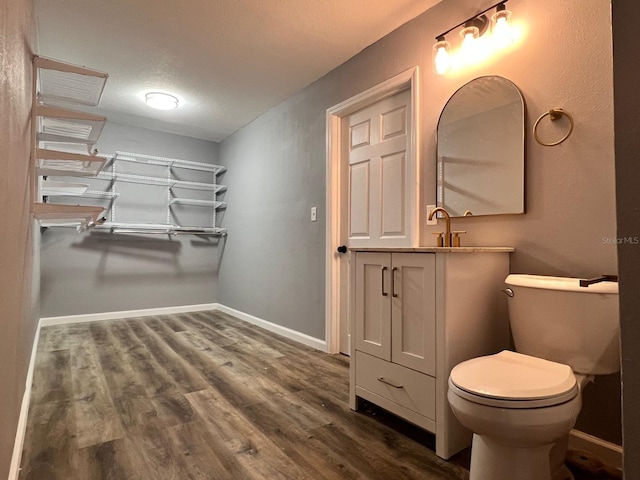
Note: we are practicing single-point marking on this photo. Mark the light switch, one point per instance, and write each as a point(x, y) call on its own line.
point(314, 214)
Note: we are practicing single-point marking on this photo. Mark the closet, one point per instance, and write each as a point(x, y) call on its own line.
point(123, 192)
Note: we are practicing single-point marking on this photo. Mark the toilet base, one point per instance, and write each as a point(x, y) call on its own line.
point(492, 461)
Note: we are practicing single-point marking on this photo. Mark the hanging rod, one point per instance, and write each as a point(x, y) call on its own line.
point(160, 229)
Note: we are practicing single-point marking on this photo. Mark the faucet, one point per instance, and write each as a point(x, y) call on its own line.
point(447, 233)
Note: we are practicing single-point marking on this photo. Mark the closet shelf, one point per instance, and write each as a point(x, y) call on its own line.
point(99, 194)
point(59, 125)
point(53, 188)
point(160, 228)
point(169, 162)
point(197, 203)
point(80, 216)
point(53, 162)
point(159, 181)
point(64, 82)
point(85, 194)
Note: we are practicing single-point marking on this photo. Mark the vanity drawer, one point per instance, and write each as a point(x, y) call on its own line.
point(408, 388)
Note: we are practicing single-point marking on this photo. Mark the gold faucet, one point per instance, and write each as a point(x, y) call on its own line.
point(447, 233)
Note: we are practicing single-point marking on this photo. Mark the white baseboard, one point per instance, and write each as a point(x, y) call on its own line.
point(96, 317)
point(275, 328)
point(14, 468)
point(272, 327)
point(609, 453)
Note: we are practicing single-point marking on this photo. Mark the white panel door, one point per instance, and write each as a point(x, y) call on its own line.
point(381, 174)
point(413, 311)
point(372, 304)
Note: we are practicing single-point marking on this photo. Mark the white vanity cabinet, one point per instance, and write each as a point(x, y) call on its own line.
point(415, 314)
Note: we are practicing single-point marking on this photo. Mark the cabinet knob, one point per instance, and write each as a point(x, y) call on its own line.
point(342, 249)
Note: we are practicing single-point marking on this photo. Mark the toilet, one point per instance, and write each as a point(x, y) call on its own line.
point(521, 405)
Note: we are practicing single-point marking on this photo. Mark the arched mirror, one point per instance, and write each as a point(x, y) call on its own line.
point(481, 149)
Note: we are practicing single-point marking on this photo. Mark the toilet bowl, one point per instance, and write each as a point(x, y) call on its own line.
point(518, 408)
point(521, 407)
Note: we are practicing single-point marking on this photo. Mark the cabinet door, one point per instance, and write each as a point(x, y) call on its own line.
point(413, 325)
point(372, 304)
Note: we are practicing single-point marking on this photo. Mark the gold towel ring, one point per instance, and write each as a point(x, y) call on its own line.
point(554, 114)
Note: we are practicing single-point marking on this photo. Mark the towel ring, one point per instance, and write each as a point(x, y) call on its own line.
point(554, 114)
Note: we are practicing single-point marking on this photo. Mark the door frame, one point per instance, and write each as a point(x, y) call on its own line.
point(334, 202)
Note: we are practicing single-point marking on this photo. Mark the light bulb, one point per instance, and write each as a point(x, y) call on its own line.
point(441, 58)
point(469, 42)
point(502, 31)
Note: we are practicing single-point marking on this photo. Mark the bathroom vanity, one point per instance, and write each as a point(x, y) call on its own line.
point(416, 313)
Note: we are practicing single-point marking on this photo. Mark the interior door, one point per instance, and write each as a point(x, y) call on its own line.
point(379, 175)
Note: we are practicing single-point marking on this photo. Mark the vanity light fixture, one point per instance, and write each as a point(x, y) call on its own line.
point(161, 101)
point(473, 29)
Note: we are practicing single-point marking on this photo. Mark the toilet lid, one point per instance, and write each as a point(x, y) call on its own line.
point(513, 376)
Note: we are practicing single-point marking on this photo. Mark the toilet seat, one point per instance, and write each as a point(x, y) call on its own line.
point(513, 380)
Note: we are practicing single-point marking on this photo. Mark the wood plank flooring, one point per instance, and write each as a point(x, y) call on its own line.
point(207, 396)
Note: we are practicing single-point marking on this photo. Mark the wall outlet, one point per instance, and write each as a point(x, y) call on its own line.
point(434, 220)
point(314, 214)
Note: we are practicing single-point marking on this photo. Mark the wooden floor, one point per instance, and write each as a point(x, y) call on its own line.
point(207, 396)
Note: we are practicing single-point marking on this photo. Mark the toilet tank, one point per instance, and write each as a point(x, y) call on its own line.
point(556, 319)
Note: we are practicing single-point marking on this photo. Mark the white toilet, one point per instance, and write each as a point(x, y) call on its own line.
point(521, 406)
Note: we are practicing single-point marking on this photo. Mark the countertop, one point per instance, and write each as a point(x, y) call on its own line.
point(435, 249)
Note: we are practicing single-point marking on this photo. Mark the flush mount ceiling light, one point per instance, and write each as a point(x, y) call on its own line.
point(474, 28)
point(161, 101)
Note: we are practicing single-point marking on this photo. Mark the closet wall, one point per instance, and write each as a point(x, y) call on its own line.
point(96, 271)
point(18, 237)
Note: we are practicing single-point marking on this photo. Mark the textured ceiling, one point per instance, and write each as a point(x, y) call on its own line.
point(227, 60)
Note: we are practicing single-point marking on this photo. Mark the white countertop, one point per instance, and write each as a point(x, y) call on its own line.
point(435, 249)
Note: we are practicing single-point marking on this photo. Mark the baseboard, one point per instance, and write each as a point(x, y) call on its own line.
point(609, 453)
point(272, 327)
point(14, 468)
point(96, 317)
point(275, 328)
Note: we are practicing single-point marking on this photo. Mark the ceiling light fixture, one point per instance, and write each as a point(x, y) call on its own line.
point(474, 28)
point(161, 101)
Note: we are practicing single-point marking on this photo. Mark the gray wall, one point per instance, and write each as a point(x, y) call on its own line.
point(273, 262)
point(273, 265)
point(18, 237)
point(626, 73)
point(96, 272)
